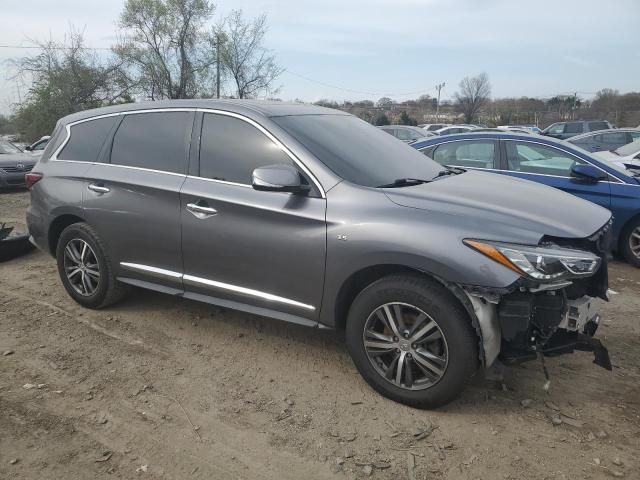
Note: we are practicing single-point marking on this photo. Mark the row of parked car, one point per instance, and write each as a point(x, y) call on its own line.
point(592, 135)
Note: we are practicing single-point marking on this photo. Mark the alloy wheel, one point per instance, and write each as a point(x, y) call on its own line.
point(634, 242)
point(81, 267)
point(406, 346)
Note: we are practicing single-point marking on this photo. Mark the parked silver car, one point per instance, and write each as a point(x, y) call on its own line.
point(315, 217)
point(14, 164)
point(606, 140)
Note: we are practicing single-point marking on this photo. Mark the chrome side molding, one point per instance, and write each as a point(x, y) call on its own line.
point(215, 284)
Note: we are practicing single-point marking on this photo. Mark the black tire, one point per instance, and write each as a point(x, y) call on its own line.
point(626, 240)
point(444, 309)
point(108, 289)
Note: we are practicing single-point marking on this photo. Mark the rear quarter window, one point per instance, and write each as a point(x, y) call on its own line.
point(87, 139)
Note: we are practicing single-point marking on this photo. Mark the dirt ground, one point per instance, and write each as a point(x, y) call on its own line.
point(158, 387)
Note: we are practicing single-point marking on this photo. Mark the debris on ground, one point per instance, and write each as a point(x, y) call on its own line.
point(367, 470)
point(13, 461)
point(30, 386)
point(105, 456)
point(142, 468)
point(526, 403)
point(6, 353)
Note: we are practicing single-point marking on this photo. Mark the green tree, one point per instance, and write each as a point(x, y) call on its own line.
point(381, 119)
point(405, 119)
point(166, 47)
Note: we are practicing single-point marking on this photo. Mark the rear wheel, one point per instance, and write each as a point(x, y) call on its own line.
point(630, 243)
point(412, 341)
point(85, 269)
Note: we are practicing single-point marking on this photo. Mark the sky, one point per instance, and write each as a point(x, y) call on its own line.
point(366, 49)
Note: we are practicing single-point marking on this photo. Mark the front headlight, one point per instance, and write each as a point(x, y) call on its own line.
point(539, 263)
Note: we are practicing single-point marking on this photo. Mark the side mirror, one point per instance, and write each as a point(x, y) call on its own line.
point(587, 173)
point(278, 178)
point(28, 148)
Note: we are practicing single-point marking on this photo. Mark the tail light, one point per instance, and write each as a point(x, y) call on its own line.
point(31, 178)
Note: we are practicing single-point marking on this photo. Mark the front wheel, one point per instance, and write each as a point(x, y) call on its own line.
point(630, 243)
point(412, 341)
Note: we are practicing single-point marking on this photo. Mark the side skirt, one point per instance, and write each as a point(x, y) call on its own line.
point(233, 305)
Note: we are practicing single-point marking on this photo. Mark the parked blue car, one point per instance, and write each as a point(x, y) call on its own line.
point(555, 163)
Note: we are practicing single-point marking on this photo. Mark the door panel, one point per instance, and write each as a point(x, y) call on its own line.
point(551, 166)
point(138, 219)
point(265, 249)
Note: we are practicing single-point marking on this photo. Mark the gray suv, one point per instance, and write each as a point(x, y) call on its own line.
point(312, 216)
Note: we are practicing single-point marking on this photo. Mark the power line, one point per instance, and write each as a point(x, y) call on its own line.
point(363, 92)
point(52, 47)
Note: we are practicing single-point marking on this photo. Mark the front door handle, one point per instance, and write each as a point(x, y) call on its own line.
point(98, 188)
point(201, 211)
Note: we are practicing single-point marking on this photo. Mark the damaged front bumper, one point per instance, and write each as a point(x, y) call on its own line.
point(531, 318)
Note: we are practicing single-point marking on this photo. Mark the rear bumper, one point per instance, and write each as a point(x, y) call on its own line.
point(12, 180)
point(37, 230)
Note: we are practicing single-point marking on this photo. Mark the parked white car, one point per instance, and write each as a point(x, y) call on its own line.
point(626, 154)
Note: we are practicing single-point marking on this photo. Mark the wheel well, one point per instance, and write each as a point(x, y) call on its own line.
point(635, 218)
point(56, 228)
point(357, 282)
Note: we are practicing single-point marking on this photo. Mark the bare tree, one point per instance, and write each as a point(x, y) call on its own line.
point(252, 67)
point(473, 96)
point(63, 78)
point(165, 44)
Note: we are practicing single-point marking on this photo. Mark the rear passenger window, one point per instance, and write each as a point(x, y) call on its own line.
point(573, 127)
point(593, 126)
point(157, 141)
point(231, 149)
point(476, 154)
point(87, 139)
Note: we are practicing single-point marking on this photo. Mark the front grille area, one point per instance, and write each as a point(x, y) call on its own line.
point(15, 169)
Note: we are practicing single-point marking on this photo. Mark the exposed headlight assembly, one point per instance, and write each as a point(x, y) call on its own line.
point(539, 263)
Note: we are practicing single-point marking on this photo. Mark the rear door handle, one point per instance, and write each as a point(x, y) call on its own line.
point(98, 188)
point(201, 211)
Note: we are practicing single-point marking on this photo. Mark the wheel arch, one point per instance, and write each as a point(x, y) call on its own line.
point(56, 228)
point(364, 277)
point(630, 220)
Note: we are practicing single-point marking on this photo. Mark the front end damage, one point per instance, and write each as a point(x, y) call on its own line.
point(545, 316)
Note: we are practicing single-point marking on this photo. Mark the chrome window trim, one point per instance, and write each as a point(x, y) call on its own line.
point(216, 284)
point(269, 135)
point(528, 173)
point(194, 177)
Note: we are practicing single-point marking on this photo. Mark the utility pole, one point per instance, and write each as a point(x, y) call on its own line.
point(217, 65)
point(439, 87)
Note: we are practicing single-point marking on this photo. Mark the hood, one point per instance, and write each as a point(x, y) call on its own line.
point(11, 159)
point(607, 155)
point(506, 200)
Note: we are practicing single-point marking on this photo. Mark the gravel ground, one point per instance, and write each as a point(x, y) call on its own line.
point(159, 387)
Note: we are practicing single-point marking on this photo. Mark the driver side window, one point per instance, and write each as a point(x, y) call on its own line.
point(539, 159)
point(231, 149)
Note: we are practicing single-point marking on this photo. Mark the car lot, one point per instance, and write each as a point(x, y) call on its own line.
point(158, 387)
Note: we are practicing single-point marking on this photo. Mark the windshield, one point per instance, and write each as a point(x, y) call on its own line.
point(357, 151)
point(616, 166)
point(6, 147)
point(629, 149)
